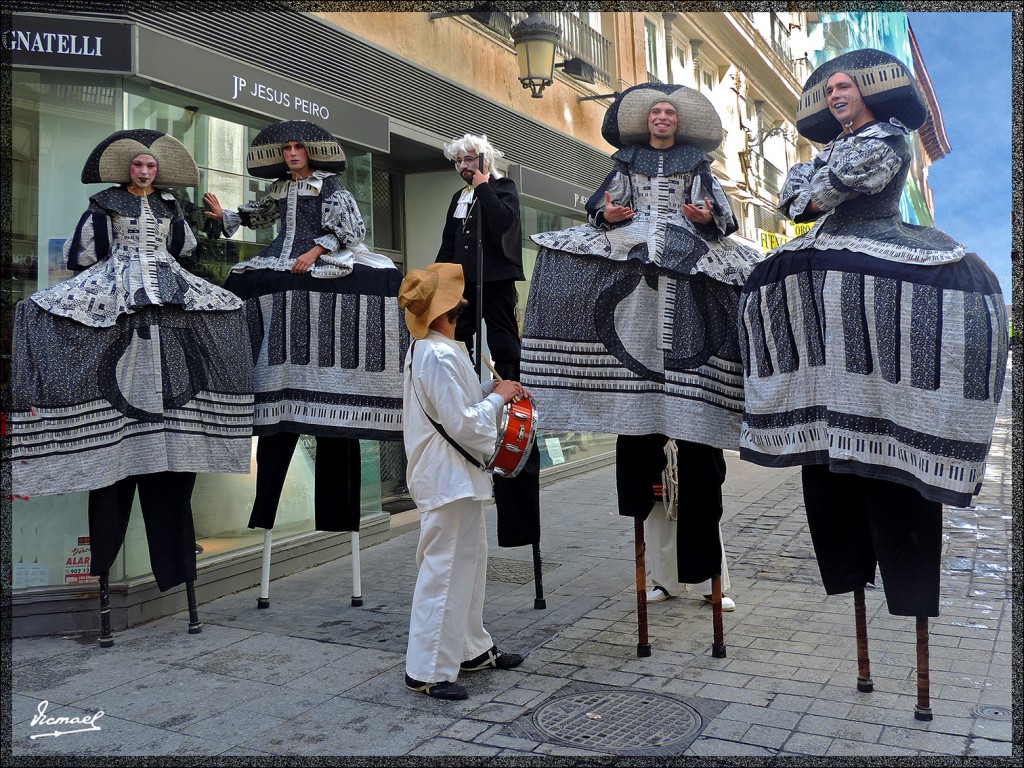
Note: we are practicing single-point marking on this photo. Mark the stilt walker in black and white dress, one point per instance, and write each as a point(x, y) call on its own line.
point(132, 375)
point(874, 351)
point(327, 337)
point(631, 322)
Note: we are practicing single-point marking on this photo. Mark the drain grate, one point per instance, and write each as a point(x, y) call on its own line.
point(616, 721)
point(514, 571)
point(993, 713)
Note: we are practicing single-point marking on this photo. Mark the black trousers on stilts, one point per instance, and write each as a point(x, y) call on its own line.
point(639, 462)
point(165, 499)
point(500, 301)
point(859, 522)
point(337, 480)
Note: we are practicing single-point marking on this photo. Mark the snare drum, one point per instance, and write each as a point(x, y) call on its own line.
point(517, 432)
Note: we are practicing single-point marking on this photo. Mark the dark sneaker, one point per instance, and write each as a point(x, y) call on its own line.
point(445, 690)
point(492, 659)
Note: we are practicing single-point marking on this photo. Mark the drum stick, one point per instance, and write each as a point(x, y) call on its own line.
point(490, 367)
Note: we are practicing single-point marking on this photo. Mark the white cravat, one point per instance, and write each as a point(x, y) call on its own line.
point(465, 203)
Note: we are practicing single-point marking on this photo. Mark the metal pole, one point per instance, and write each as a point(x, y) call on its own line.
point(479, 274)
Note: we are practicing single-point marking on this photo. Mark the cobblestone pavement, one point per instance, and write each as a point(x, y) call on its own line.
point(313, 676)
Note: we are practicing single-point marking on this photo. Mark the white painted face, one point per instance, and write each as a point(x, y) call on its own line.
point(295, 157)
point(142, 171)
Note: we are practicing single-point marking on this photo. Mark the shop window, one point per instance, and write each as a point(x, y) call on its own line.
point(56, 120)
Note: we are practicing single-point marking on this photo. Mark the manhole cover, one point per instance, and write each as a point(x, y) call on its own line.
point(619, 721)
point(993, 713)
point(514, 571)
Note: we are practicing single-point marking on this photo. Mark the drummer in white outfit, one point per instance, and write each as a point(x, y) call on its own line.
point(442, 389)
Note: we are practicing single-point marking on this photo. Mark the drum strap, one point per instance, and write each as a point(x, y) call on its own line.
point(441, 430)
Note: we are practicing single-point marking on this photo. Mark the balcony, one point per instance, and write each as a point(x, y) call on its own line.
point(577, 39)
point(767, 174)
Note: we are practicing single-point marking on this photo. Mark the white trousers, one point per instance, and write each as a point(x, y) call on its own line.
point(447, 622)
point(660, 538)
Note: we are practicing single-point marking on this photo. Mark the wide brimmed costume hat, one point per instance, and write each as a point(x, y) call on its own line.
point(625, 122)
point(426, 294)
point(322, 149)
point(111, 160)
point(886, 84)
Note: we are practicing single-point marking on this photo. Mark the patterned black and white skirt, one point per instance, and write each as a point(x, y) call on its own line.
point(628, 348)
point(163, 389)
point(875, 367)
point(328, 353)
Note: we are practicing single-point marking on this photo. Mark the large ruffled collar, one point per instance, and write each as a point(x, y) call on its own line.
point(873, 130)
point(679, 158)
point(122, 202)
point(311, 185)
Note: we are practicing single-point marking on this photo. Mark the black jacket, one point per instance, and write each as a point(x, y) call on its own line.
point(503, 245)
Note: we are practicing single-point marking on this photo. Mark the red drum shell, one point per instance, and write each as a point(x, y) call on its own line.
point(517, 432)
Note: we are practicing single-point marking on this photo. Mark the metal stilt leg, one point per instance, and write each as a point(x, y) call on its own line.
point(194, 625)
point(357, 586)
point(718, 646)
point(864, 682)
point(263, 601)
point(106, 636)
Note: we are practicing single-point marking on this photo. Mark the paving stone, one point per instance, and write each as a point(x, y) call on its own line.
point(988, 748)
point(718, 747)
point(924, 741)
point(452, 748)
point(806, 744)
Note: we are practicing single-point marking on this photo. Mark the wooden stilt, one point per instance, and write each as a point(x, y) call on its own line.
point(864, 682)
point(106, 636)
point(194, 625)
point(718, 646)
point(923, 710)
point(538, 602)
point(643, 646)
point(357, 582)
point(263, 601)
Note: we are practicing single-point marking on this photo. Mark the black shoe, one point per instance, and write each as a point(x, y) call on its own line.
point(492, 659)
point(446, 690)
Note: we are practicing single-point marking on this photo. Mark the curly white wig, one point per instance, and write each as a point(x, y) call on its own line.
point(478, 145)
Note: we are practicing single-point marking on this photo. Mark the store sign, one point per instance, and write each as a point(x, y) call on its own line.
point(770, 240)
point(60, 42)
point(233, 83)
point(540, 186)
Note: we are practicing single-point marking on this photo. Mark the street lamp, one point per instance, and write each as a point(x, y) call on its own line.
point(535, 40)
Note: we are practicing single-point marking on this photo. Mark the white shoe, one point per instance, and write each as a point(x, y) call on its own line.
point(657, 594)
point(728, 604)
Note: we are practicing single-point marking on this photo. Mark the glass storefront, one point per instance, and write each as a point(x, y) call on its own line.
point(56, 120)
point(556, 448)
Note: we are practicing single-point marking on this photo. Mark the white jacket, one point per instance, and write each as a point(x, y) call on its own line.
point(450, 392)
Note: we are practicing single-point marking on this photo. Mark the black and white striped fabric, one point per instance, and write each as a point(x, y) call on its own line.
point(883, 369)
point(328, 353)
